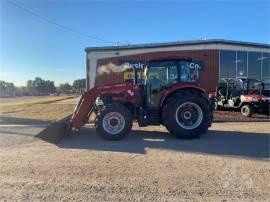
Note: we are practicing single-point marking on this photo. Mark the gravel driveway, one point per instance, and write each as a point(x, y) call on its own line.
point(229, 163)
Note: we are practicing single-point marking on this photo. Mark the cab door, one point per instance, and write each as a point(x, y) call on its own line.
point(161, 74)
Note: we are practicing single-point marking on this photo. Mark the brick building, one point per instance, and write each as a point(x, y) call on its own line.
point(219, 58)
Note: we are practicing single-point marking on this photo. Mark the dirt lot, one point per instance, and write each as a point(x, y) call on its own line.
point(229, 163)
point(226, 115)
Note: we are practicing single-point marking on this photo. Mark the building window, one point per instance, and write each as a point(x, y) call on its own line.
point(241, 64)
point(227, 64)
point(266, 67)
point(254, 65)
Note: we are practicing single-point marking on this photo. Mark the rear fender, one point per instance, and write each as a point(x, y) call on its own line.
point(173, 89)
point(245, 103)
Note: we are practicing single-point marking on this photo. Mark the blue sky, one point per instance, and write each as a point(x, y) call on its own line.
point(32, 47)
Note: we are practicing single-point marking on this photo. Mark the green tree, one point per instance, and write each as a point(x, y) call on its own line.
point(30, 86)
point(22, 91)
point(65, 87)
point(79, 85)
point(40, 86)
point(7, 89)
point(49, 86)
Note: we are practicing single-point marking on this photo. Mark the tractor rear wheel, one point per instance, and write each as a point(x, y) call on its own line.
point(113, 122)
point(187, 115)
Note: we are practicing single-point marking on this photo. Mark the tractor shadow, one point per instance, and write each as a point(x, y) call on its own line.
point(227, 143)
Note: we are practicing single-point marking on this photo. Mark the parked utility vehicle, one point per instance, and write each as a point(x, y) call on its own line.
point(244, 94)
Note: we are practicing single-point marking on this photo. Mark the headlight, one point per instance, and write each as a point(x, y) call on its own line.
point(99, 101)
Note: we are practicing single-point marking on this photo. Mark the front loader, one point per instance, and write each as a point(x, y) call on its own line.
point(168, 94)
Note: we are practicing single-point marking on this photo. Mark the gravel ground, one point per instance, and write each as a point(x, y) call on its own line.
point(229, 163)
point(230, 115)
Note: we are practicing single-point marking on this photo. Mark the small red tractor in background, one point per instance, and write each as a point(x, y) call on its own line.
point(166, 94)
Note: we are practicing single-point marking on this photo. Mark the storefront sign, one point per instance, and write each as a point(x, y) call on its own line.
point(129, 70)
point(196, 65)
point(192, 70)
point(133, 64)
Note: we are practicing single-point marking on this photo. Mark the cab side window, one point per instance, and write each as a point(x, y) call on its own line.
point(189, 72)
point(162, 73)
point(184, 71)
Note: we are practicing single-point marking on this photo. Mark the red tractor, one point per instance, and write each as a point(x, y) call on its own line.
point(166, 94)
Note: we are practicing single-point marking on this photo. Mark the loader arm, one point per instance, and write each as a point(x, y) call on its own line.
point(57, 130)
point(83, 109)
point(73, 122)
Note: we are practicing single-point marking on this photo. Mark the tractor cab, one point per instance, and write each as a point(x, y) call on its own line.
point(163, 79)
point(162, 74)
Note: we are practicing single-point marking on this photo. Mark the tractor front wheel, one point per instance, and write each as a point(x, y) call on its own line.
point(113, 122)
point(187, 115)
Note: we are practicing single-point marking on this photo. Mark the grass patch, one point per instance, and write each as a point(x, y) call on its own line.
point(37, 110)
point(36, 100)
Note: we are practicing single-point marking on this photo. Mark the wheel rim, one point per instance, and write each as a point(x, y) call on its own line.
point(245, 110)
point(189, 115)
point(113, 123)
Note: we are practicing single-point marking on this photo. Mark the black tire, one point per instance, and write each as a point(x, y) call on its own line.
point(177, 101)
point(246, 110)
point(214, 103)
point(120, 114)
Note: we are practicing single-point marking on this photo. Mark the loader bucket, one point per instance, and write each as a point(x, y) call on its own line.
point(56, 131)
